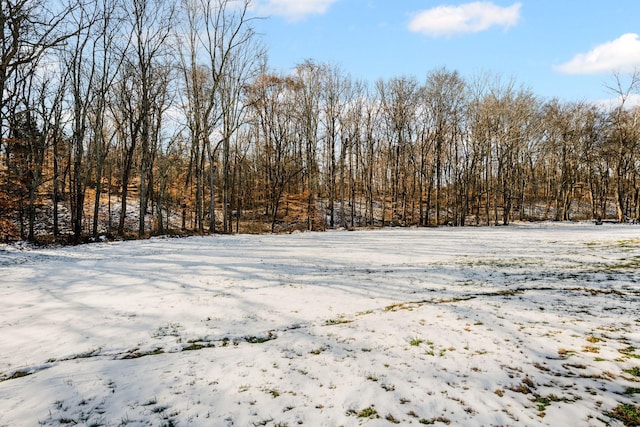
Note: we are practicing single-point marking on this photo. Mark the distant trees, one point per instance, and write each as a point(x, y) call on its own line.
point(136, 117)
point(399, 105)
point(221, 57)
point(444, 98)
point(309, 75)
point(624, 146)
point(272, 102)
point(30, 32)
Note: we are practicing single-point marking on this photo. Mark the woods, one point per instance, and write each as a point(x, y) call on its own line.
point(140, 117)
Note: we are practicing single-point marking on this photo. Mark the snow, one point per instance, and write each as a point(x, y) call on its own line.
point(531, 324)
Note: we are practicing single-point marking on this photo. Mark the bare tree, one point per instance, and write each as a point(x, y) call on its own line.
point(272, 104)
point(399, 103)
point(81, 65)
point(308, 98)
point(562, 149)
point(444, 92)
point(108, 60)
point(369, 162)
point(352, 126)
point(29, 154)
point(624, 137)
point(594, 160)
point(30, 31)
point(241, 58)
point(334, 85)
point(221, 55)
point(151, 23)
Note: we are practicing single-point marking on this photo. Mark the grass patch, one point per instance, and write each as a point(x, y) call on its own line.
point(338, 321)
point(86, 354)
point(543, 401)
point(364, 313)
point(194, 346)
point(635, 371)
point(568, 366)
point(627, 413)
point(392, 419)
point(135, 354)
point(457, 299)
point(401, 306)
point(632, 390)
point(388, 387)
point(541, 367)
point(563, 353)
point(629, 352)
point(259, 340)
point(591, 349)
point(159, 409)
point(273, 392)
point(520, 388)
point(318, 350)
point(369, 412)
point(416, 342)
point(170, 330)
point(435, 420)
point(16, 375)
point(629, 242)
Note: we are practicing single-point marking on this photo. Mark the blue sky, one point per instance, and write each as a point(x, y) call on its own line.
point(567, 49)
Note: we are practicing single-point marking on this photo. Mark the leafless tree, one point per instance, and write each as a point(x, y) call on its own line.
point(444, 97)
point(271, 100)
point(221, 56)
point(399, 98)
point(624, 139)
point(308, 98)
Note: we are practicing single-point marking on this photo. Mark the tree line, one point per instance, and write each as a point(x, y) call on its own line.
point(139, 117)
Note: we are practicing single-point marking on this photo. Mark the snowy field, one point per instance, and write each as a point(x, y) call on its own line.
point(526, 325)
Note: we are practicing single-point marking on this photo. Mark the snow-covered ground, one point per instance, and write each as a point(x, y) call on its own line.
point(531, 324)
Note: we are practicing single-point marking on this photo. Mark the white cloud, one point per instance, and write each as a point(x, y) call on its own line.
point(467, 18)
point(294, 10)
point(632, 101)
point(622, 54)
